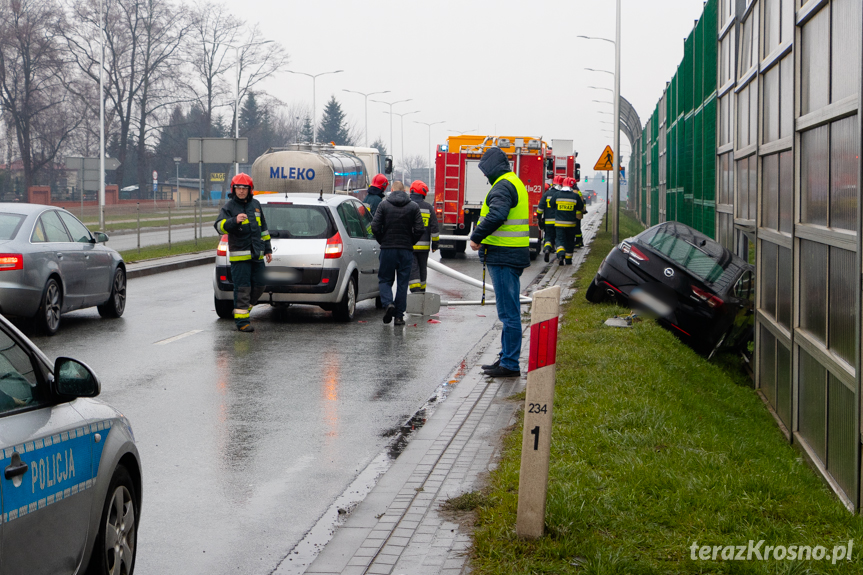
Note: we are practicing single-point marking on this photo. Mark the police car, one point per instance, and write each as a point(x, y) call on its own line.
point(70, 493)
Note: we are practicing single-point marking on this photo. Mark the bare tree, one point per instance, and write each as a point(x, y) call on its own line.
point(410, 163)
point(33, 90)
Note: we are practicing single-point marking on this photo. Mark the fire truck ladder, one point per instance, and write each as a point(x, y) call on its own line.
point(451, 184)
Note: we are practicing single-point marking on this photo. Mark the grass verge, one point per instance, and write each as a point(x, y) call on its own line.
point(654, 448)
point(176, 249)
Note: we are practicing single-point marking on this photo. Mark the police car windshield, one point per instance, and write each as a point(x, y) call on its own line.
point(298, 221)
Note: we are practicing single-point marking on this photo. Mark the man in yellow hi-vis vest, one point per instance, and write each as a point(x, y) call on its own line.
point(503, 238)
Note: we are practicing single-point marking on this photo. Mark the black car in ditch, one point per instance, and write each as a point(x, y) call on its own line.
point(698, 289)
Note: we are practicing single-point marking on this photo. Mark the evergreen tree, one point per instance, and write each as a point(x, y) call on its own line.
point(251, 116)
point(307, 131)
point(333, 127)
point(379, 144)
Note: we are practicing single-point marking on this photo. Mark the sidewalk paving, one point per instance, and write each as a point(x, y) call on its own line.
point(399, 527)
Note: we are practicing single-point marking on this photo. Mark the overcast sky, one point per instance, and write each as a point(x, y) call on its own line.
point(504, 67)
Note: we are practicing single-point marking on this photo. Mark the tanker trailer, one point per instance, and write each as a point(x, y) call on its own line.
point(310, 168)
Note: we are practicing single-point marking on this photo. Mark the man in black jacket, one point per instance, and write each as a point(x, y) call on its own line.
point(248, 244)
point(397, 226)
point(503, 233)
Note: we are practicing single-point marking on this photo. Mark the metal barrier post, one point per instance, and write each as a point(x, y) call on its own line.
point(138, 212)
point(195, 220)
point(169, 228)
point(536, 442)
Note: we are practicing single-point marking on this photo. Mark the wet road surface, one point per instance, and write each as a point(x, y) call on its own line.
point(246, 439)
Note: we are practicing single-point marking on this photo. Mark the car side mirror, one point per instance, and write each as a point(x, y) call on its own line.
point(75, 379)
point(388, 166)
point(101, 237)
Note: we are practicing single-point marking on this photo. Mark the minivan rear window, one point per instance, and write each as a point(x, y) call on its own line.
point(298, 221)
point(9, 225)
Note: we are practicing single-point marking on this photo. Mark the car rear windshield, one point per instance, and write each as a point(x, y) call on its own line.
point(697, 261)
point(9, 225)
point(298, 221)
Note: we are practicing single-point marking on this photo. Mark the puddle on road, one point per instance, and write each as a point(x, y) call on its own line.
point(306, 551)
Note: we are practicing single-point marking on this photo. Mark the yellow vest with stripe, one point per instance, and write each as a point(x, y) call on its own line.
point(515, 231)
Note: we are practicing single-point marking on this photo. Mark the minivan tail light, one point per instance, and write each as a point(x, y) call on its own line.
point(334, 247)
point(222, 250)
point(708, 298)
point(11, 262)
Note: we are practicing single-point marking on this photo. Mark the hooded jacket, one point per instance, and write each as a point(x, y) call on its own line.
point(501, 198)
point(431, 235)
point(374, 198)
point(250, 238)
point(398, 223)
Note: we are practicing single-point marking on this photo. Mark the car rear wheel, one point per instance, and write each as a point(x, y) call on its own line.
point(48, 316)
point(224, 308)
point(345, 309)
point(117, 541)
point(447, 254)
point(116, 304)
point(594, 293)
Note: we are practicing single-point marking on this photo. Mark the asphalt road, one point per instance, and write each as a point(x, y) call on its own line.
point(247, 439)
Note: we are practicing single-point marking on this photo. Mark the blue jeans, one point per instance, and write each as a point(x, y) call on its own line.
point(507, 288)
point(395, 266)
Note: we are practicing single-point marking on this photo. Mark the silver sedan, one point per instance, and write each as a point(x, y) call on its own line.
point(50, 264)
point(71, 483)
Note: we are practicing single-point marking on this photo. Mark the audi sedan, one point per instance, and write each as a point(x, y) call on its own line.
point(51, 264)
point(324, 254)
point(70, 492)
point(698, 289)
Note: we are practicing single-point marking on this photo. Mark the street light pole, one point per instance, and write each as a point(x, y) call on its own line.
point(177, 161)
point(391, 104)
point(429, 125)
point(366, 107)
point(402, 124)
point(314, 78)
point(101, 120)
point(615, 229)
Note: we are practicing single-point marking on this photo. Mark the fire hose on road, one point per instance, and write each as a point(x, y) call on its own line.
point(440, 268)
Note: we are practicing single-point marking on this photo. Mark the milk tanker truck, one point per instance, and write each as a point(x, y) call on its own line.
point(319, 168)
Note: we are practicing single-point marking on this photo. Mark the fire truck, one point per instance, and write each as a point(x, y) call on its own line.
point(460, 187)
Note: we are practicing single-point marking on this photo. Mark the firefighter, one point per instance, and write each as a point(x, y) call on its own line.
point(249, 245)
point(579, 215)
point(547, 211)
point(428, 242)
point(376, 193)
point(568, 205)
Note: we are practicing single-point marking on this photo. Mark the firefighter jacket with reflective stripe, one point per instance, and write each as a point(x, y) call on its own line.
point(249, 240)
point(547, 206)
point(569, 206)
point(514, 232)
point(431, 236)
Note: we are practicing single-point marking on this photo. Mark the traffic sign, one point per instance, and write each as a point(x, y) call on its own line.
point(605, 161)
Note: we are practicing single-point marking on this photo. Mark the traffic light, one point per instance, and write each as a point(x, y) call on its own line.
point(578, 172)
point(603, 178)
point(586, 179)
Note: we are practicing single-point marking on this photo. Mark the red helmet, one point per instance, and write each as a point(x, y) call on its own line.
point(569, 182)
point(547, 186)
point(418, 187)
point(242, 179)
point(557, 180)
point(380, 181)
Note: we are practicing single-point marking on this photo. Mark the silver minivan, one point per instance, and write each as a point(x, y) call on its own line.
point(324, 254)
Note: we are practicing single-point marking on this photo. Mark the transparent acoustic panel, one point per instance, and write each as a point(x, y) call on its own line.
point(742, 204)
point(743, 117)
point(753, 184)
point(753, 112)
point(770, 115)
point(787, 21)
point(770, 192)
point(814, 175)
point(786, 191)
point(815, 62)
point(783, 383)
point(746, 46)
point(844, 149)
point(812, 408)
point(845, 56)
point(786, 96)
point(767, 365)
point(813, 289)
point(772, 26)
point(842, 440)
point(841, 318)
point(769, 258)
point(784, 284)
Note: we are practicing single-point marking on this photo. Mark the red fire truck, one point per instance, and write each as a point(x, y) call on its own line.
point(460, 187)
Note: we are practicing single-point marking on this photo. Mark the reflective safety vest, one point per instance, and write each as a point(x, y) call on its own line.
point(515, 231)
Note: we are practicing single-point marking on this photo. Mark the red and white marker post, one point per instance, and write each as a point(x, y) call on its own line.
point(536, 442)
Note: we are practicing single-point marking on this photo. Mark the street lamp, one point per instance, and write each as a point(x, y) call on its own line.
point(429, 125)
point(402, 123)
point(314, 78)
point(101, 122)
point(606, 89)
point(596, 38)
point(391, 104)
point(366, 108)
point(603, 102)
point(177, 161)
point(462, 132)
point(603, 71)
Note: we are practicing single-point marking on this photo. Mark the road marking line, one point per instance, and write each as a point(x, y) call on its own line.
point(177, 337)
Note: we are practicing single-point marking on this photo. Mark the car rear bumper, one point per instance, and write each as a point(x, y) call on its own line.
point(324, 290)
point(18, 300)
